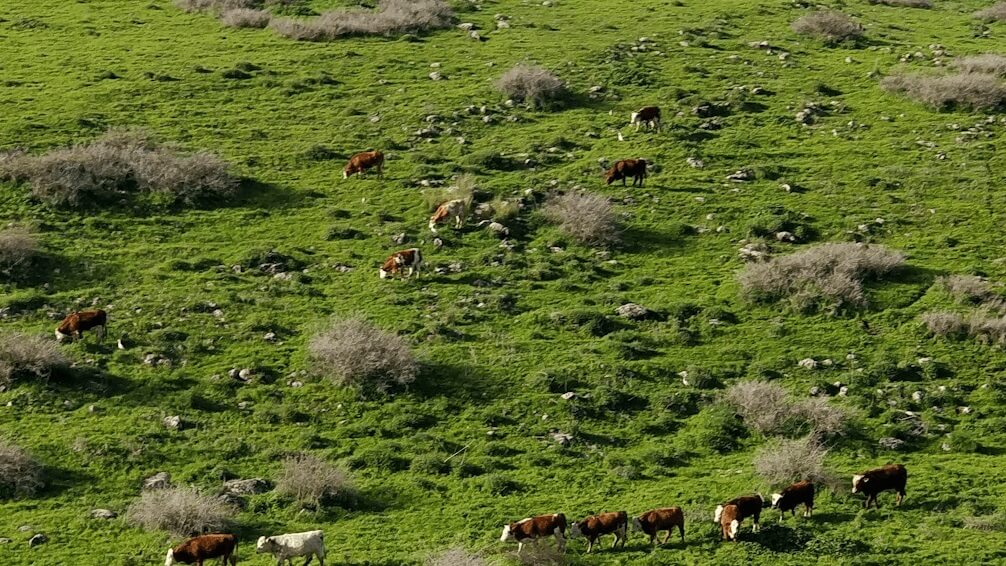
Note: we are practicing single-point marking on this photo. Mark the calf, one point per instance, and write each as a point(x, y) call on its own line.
point(76, 323)
point(286, 547)
point(666, 519)
point(649, 115)
point(621, 170)
point(534, 528)
point(891, 477)
point(361, 162)
point(595, 526)
point(410, 260)
point(730, 518)
point(451, 209)
point(802, 492)
point(198, 549)
point(747, 506)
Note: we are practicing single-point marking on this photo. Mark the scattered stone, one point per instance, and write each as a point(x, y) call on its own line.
point(568, 395)
point(400, 238)
point(25, 528)
point(741, 176)
point(245, 374)
point(561, 438)
point(785, 237)
point(251, 486)
point(632, 311)
point(103, 514)
point(173, 422)
point(269, 337)
point(466, 26)
point(436, 76)
point(438, 243)
point(843, 391)
point(5, 540)
point(755, 251)
point(160, 480)
point(891, 443)
point(37, 540)
point(815, 391)
point(695, 162)
point(808, 363)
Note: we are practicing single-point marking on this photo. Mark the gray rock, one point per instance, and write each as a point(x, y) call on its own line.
point(246, 373)
point(173, 422)
point(568, 395)
point(37, 540)
point(632, 311)
point(466, 26)
point(160, 480)
point(891, 443)
point(251, 486)
point(5, 540)
point(436, 76)
point(562, 438)
point(103, 514)
point(25, 528)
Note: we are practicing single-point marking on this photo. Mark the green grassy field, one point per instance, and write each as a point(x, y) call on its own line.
point(495, 341)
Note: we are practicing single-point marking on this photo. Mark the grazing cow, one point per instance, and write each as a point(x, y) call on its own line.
point(666, 519)
point(649, 115)
point(361, 162)
point(891, 477)
point(748, 506)
point(451, 209)
point(534, 528)
point(621, 170)
point(198, 549)
point(802, 492)
point(76, 323)
point(595, 526)
point(730, 521)
point(410, 259)
point(286, 547)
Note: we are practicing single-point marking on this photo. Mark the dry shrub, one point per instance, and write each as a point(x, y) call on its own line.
point(391, 17)
point(905, 3)
point(356, 353)
point(768, 409)
point(828, 26)
point(20, 473)
point(245, 18)
point(117, 164)
point(532, 85)
point(463, 188)
point(988, 523)
point(987, 327)
point(588, 218)
point(313, 481)
point(967, 288)
point(978, 91)
point(785, 461)
point(25, 356)
point(820, 416)
point(543, 553)
point(456, 557)
point(944, 324)
point(217, 5)
point(18, 246)
point(182, 511)
point(831, 274)
point(503, 209)
point(985, 63)
point(994, 13)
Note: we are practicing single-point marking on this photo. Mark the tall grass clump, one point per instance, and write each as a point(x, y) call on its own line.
point(245, 18)
point(20, 473)
point(18, 247)
point(313, 481)
point(391, 17)
point(587, 218)
point(456, 557)
point(984, 63)
point(784, 461)
point(829, 26)
point(217, 5)
point(355, 353)
point(828, 274)
point(531, 85)
point(463, 188)
point(967, 288)
point(181, 511)
point(994, 13)
point(904, 3)
point(26, 356)
point(968, 90)
point(943, 324)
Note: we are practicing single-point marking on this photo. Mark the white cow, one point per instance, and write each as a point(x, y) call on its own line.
point(286, 547)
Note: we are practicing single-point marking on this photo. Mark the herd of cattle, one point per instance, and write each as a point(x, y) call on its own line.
point(284, 548)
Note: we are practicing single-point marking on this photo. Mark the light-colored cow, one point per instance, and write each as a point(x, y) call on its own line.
point(287, 547)
point(451, 209)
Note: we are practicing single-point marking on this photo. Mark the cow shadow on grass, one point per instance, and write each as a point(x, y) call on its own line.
point(259, 195)
point(89, 381)
point(437, 379)
point(59, 480)
point(637, 239)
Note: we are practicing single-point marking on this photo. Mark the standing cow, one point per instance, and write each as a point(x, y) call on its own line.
point(747, 506)
point(76, 323)
point(800, 493)
point(891, 477)
point(730, 518)
point(621, 170)
point(361, 162)
point(409, 261)
point(287, 547)
point(593, 527)
point(534, 528)
point(196, 550)
point(666, 519)
point(649, 115)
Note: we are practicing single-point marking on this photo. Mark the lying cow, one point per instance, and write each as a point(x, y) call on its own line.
point(649, 115)
point(534, 528)
point(196, 550)
point(361, 162)
point(410, 260)
point(891, 477)
point(595, 526)
point(730, 518)
point(76, 323)
point(621, 170)
point(287, 547)
point(666, 519)
point(451, 209)
point(748, 506)
point(800, 493)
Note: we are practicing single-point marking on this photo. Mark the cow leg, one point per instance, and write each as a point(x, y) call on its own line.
point(681, 530)
point(309, 557)
point(901, 497)
point(667, 537)
point(520, 547)
point(590, 544)
point(560, 540)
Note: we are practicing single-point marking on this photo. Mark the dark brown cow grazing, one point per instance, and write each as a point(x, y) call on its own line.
point(201, 548)
point(649, 115)
point(891, 477)
point(76, 323)
point(748, 505)
point(800, 493)
point(361, 162)
point(595, 526)
point(410, 260)
point(730, 521)
point(534, 528)
point(666, 519)
point(621, 170)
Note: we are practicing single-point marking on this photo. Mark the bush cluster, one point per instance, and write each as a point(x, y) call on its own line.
point(587, 218)
point(784, 461)
point(768, 409)
point(18, 247)
point(967, 90)
point(356, 353)
point(25, 356)
point(313, 481)
point(391, 17)
point(182, 511)
point(994, 13)
point(20, 473)
point(829, 26)
point(531, 85)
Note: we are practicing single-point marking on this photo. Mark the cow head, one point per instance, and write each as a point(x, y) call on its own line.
point(775, 500)
point(170, 558)
point(857, 482)
point(609, 177)
point(717, 514)
point(265, 545)
point(635, 116)
point(507, 533)
point(383, 273)
point(60, 337)
point(735, 526)
point(764, 503)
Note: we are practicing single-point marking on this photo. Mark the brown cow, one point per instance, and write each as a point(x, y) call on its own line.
point(748, 506)
point(361, 162)
point(891, 477)
point(621, 170)
point(534, 528)
point(801, 492)
point(649, 115)
point(666, 519)
point(201, 548)
point(451, 209)
point(410, 259)
point(76, 323)
point(730, 521)
point(595, 526)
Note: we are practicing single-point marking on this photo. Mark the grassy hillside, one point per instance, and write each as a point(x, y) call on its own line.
point(501, 338)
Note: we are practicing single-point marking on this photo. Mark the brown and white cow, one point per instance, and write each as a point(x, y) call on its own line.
point(593, 527)
point(891, 477)
point(451, 209)
point(649, 115)
point(730, 521)
point(747, 505)
point(361, 162)
point(76, 323)
point(666, 519)
point(534, 528)
point(622, 170)
point(196, 550)
point(800, 493)
point(409, 261)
